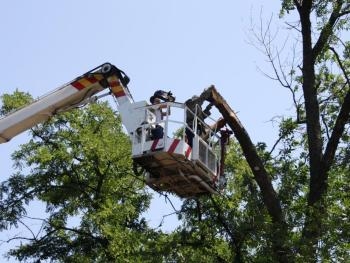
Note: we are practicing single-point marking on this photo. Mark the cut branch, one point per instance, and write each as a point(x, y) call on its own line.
point(256, 164)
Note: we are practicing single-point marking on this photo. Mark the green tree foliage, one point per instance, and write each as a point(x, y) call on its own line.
point(78, 164)
point(233, 226)
point(14, 101)
point(290, 203)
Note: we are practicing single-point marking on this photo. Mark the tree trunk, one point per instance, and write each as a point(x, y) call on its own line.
point(261, 176)
point(311, 231)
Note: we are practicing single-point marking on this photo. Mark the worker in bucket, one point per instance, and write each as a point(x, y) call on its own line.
point(158, 131)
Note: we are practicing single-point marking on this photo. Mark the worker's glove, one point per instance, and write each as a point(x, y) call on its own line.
point(170, 97)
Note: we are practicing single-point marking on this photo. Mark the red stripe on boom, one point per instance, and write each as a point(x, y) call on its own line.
point(92, 79)
point(84, 82)
point(78, 85)
point(114, 83)
point(119, 93)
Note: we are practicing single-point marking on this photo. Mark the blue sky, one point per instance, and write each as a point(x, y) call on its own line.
point(182, 46)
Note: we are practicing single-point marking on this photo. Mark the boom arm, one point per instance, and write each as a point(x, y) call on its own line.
point(71, 95)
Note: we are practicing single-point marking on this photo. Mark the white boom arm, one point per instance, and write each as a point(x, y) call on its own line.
point(73, 94)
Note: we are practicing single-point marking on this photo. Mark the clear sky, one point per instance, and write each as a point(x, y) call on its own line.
point(178, 45)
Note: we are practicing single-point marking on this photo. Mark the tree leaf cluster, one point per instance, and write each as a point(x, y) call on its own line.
point(79, 166)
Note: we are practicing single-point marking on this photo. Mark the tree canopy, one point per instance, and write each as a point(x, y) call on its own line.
point(80, 167)
point(288, 202)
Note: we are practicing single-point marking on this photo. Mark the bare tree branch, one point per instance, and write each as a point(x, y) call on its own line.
point(327, 30)
point(293, 27)
point(325, 125)
point(342, 119)
point(341, 65)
